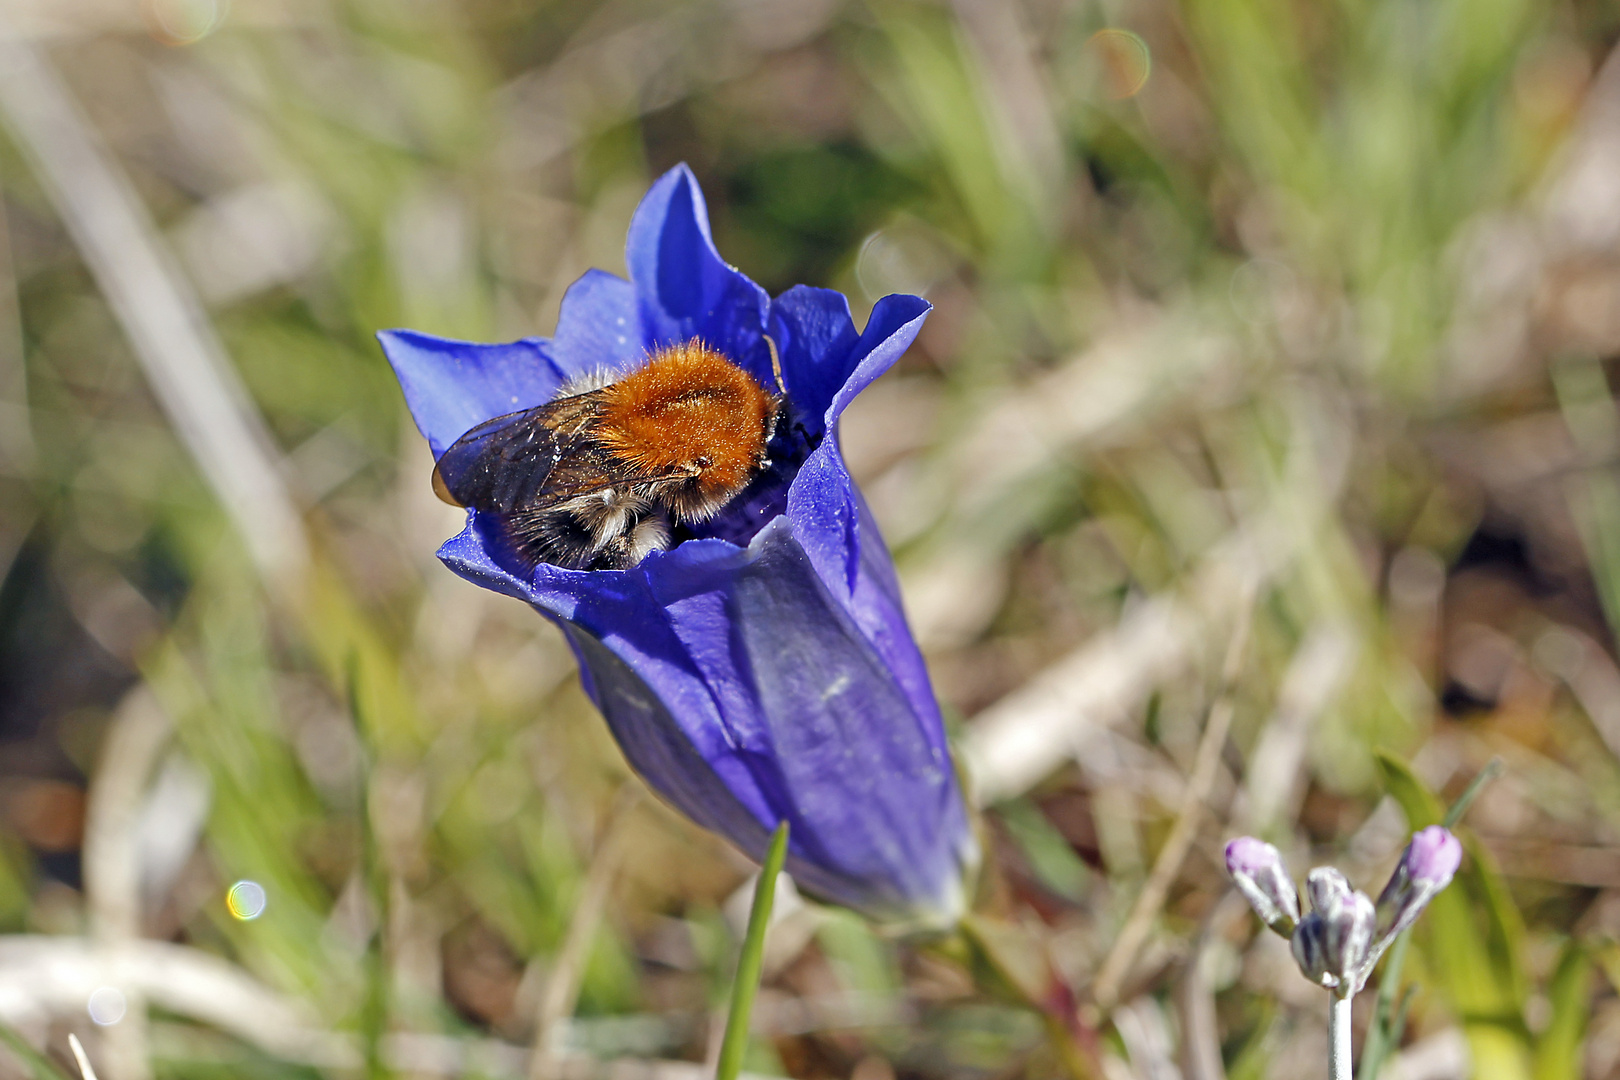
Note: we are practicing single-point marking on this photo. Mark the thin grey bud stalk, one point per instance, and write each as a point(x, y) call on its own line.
point(1340, 1025)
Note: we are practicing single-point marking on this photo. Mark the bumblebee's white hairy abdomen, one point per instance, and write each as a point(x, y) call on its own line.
point(607, 514)
point(591, 380)
point(652, 534)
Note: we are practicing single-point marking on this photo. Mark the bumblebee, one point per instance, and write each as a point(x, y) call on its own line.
point(597, 478)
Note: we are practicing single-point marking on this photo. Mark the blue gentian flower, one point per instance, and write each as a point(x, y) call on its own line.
point(760, 669)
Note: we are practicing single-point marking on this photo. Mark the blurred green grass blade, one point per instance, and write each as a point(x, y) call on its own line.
point(1397, 1025)
point(1587, 405)
point(1421, 806)
point(863, 961)
point(375, 1004)
point(1381, 1033)
point(934, 82)
point(352, 647)
point(223, 696)
point(1252, 1059)
point(15, 877)
point(38, 1065)
point(1559, 1050)
point(1475, 786)
point(1475, 960)
point(1007, 958)
point(752, 960)
point(1050, 856)
point(1388, 1025)
point(1388, 1021)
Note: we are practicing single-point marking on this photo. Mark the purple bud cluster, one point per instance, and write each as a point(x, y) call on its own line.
point(1339, 941)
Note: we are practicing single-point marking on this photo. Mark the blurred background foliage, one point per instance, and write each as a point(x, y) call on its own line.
point(1287, 325)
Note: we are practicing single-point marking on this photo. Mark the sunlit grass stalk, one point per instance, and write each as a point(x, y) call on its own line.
point(751, 961)
point(85, 1069)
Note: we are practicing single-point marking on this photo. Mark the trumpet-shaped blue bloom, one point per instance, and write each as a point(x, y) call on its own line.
point(762, 668)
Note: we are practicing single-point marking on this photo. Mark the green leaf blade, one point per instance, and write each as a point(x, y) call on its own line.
point(1473, 935)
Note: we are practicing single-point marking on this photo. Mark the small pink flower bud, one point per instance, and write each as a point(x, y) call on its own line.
point(1433, 856)
point(1427, 866)
point(1257, 870)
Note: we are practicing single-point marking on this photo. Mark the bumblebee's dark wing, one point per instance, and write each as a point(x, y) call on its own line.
point(532, 460)
point(523, 460)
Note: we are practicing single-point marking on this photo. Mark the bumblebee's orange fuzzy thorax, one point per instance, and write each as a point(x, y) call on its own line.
point(690, 409)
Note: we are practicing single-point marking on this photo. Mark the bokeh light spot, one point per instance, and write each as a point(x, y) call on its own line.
point(905, 257)
point(183, 22)
point(106, 1006)
point(246, 899)
point(1124, 60)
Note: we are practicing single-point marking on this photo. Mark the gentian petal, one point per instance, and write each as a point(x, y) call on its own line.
point(452, 386)
point(599, 325)
point(815, 336)
point(825, 363)
point(822, 502)
point(746, 693)
point(892, 327)
point(686, 290)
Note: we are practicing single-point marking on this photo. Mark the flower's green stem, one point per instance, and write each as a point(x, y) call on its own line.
point(751, 960)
